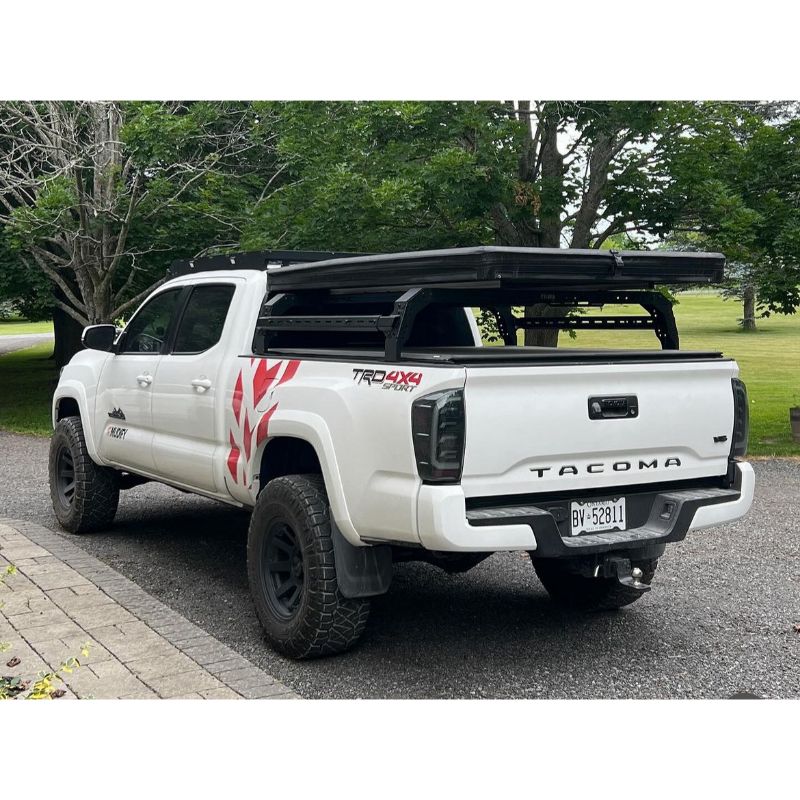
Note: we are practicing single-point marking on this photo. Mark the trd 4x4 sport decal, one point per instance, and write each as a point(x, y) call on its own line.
point(397, 379)
point(249, 431)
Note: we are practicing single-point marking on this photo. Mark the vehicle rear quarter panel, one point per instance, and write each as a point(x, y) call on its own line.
point(360, 430)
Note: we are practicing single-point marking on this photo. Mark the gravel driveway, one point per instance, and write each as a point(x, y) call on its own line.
point(719, 619)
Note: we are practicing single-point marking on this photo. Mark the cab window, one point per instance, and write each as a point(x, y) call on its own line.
point(203, 319)
point(147, 331)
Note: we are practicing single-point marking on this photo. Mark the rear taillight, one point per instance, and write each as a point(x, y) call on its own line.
point(437, 425)
point(741, 419)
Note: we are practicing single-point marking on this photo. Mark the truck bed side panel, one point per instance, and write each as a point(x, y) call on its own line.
point(357, 418)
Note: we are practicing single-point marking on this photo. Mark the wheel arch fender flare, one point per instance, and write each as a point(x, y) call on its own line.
point(313, 429)
point(74, 390)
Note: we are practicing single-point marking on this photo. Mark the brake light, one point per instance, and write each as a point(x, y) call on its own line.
point(437, 427)
point(741, 419)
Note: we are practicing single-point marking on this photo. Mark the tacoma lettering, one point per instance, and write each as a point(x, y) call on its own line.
point(598, 467)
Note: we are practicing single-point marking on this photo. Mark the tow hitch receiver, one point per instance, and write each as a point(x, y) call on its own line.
point(620, 568)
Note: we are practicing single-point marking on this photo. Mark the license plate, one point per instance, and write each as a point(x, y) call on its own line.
point(597, 515)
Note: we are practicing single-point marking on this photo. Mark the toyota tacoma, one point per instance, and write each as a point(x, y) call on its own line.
point(349, 402)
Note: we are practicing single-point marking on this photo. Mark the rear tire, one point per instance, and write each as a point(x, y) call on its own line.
point(582, 593)
point(292, 571)
point(85, 495)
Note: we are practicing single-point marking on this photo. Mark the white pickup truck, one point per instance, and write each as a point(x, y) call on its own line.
point(349, 402)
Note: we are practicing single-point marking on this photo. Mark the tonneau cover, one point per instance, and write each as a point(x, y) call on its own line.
point(493, 356)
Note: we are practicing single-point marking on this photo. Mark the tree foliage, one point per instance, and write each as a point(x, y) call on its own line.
point(23, 289)
point(376, 176)
point(735, 182)
point(99, 197)
point(394, 176)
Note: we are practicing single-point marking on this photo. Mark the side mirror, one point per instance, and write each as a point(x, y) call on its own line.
point(99, 337)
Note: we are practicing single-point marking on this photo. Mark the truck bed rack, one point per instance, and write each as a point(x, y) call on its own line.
point(279, 314)
point(316, 292)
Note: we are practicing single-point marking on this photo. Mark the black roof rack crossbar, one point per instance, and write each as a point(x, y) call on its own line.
point(661, 318)
point(586, 323)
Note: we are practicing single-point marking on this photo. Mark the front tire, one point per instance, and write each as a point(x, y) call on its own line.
point(85, 495)
point(578, 592)
point(292, 571)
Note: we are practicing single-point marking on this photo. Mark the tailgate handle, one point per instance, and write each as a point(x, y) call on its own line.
point(617, 407)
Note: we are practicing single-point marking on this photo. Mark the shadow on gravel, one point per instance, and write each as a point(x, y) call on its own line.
point(196, 561)
point(430, 609)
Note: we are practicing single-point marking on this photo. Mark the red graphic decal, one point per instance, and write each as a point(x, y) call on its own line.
point(263, 379)
point(263, 425)
point(408, 378)
point(289, 372)
point(237, 398)
point(233, 458)
point(248, 436)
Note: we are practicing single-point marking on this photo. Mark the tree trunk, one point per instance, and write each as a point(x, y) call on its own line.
point(749, 306)
point(586, 217)
point(67, 337)
point(552, 179)
point(552, 183)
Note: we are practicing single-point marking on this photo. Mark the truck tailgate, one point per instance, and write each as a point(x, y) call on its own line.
point(528, 428)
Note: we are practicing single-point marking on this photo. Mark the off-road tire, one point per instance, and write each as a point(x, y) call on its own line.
point(323, 621)
point(581, 593)
point(92, 502)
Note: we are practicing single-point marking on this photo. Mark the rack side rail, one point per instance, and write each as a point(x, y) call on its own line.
point(397, 325)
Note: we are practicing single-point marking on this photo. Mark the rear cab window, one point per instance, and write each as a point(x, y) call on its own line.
point(203, 318)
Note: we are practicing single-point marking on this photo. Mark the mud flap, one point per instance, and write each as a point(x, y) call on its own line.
point(361, 571)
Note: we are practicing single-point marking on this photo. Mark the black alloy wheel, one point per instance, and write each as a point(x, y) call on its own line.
point(283, 570)
point(84, 494)
point(65, 476)
point(291, 568)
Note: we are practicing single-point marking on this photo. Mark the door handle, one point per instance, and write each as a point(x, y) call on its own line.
point(201, 384)
point(145, 379)
point(618, 407)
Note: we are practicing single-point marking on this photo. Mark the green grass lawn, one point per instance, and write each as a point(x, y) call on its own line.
point(27, 380)
point(769, 361)
point(11, 327)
